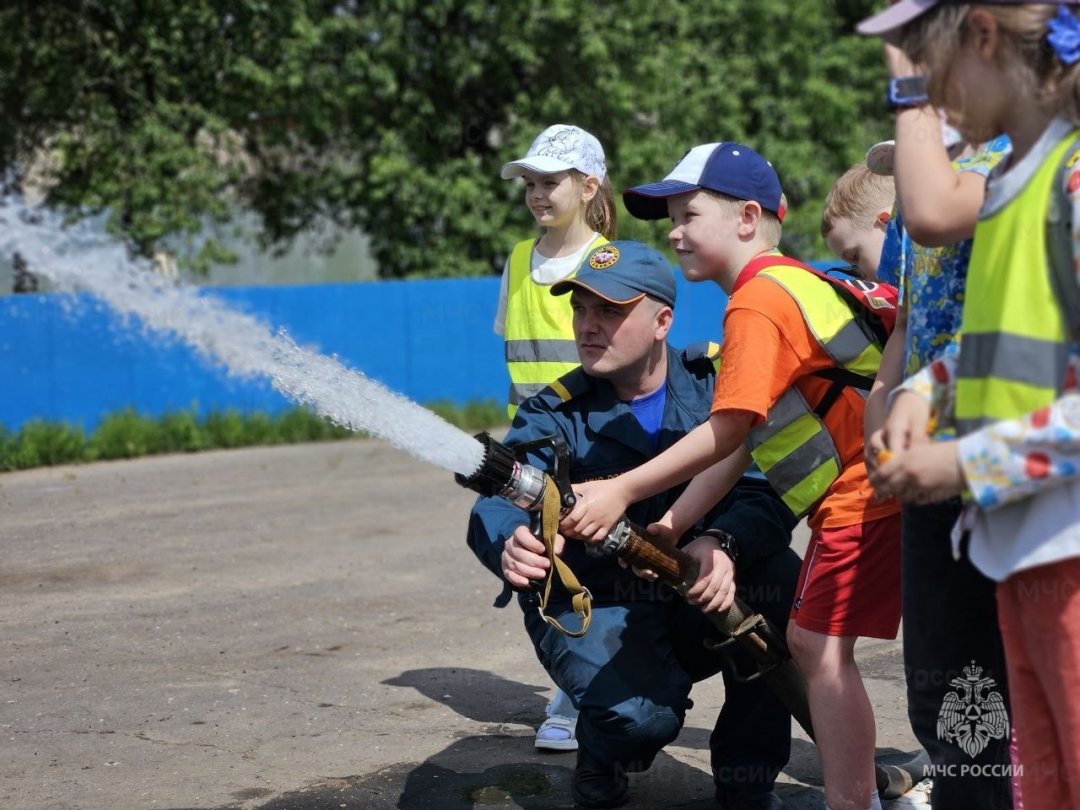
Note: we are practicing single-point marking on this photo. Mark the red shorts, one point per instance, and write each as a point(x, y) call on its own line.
point(849, 584)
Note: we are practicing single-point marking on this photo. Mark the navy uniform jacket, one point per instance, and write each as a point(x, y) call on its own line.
point(605, 440)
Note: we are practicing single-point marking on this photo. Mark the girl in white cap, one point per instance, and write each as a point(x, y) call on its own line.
point(1012, 390)
point(569, 195)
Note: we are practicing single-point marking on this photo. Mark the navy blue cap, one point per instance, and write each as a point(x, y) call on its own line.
point(622, 272)
point(728, 168)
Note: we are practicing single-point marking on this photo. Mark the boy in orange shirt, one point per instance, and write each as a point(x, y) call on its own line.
point(785, 332)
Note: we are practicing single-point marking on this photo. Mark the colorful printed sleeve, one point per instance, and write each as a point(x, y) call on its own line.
point(1015, 459)
point(936, 384)
point(989, 159)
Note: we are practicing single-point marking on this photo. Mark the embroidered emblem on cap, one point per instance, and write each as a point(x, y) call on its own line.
point(604, 257)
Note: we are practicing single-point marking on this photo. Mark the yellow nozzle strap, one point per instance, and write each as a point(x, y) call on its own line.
point(580, 597)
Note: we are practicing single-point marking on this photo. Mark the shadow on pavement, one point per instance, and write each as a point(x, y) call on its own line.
point(476, 694)
point(496, 769)
point(500, 769)
point(492, 771)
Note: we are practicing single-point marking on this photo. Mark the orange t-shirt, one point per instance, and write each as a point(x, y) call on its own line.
point(767, 348)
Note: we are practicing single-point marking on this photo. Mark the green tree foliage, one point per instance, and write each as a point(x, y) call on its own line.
point(394, 116)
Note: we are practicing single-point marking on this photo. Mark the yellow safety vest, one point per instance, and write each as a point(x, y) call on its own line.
point(792, 447)
point(539, 329)
point(1014, 337)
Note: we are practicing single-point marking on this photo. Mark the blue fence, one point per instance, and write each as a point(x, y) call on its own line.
point(68, 358)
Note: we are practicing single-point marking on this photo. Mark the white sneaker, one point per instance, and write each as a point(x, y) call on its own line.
point(557, 734)
point(918, 798)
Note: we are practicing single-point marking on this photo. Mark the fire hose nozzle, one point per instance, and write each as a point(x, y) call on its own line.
point(500, 473)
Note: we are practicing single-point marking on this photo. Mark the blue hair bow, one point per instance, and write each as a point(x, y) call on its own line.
point(1064, 36)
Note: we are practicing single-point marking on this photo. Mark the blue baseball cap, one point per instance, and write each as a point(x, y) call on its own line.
point(728, 168)
point(623, 272)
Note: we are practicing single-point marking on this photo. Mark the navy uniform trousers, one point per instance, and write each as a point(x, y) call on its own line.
point(630, 677)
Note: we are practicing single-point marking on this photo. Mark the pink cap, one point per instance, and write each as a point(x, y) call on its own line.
point(895, 16)
point(885, 24)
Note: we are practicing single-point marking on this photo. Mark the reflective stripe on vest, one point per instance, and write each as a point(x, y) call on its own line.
point(539, 329)
point(792, 446)
point(796, 452)
point(1013, 342)
point(535, 351)
point(830, 319)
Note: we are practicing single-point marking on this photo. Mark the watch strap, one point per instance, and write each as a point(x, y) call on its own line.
point(728, 544)
point(906, 92)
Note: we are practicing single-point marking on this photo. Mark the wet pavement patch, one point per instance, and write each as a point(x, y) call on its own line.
point(505, 783)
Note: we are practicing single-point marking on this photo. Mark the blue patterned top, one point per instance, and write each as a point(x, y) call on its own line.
point(931, 280)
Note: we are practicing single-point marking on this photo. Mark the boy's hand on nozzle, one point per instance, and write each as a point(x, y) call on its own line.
point(600, 505)
point(524, 558)
point(644, 573)
point(664, 531)
point(714, 590)
point(923, 474)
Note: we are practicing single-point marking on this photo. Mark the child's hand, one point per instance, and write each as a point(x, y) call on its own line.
point(874, 448)
point(907, 423)
point(663, 530)
point(599, 506)
point(898, 62)
point(926, 473)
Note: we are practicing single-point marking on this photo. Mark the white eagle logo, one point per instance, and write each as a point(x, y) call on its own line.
point(971, 716)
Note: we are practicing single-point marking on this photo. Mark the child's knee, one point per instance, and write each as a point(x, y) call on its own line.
point(816, 652)
point(801, 642)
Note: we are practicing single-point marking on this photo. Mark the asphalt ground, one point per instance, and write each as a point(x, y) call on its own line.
point(293, 628)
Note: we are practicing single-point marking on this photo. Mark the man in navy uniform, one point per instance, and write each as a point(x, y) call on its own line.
point(630, 675)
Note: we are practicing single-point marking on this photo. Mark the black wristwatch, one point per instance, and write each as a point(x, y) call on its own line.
point(906, 93)
point(727, 543)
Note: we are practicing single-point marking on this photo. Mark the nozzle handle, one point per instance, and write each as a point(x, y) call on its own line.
point(675, 567)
